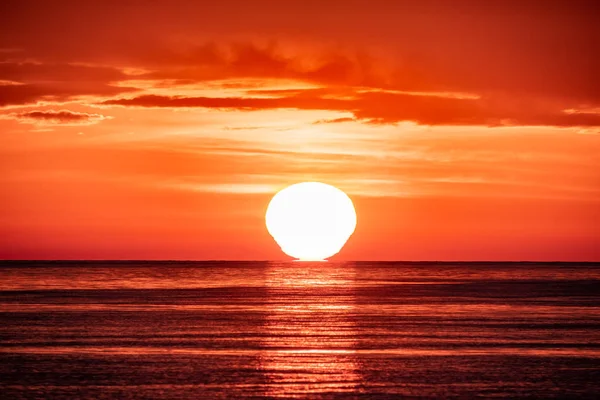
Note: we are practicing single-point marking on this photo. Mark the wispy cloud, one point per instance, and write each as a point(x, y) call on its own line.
point(33, 82)
point(335, 120)
point(383, 107)
point(56, 117)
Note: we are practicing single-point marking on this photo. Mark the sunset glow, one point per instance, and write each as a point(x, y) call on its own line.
point(307, 199)
point(162, 130)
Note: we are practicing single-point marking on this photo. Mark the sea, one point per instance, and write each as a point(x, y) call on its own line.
point(329, 330)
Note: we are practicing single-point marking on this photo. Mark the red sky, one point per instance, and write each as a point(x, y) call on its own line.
point(462, 130)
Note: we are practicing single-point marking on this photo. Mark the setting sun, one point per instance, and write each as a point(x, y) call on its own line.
point(311, 221)
point(181, 182)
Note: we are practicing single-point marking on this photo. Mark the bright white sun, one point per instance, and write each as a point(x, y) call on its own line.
point(311, 220)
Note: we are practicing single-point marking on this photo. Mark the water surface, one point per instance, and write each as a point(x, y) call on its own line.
point(209, 330)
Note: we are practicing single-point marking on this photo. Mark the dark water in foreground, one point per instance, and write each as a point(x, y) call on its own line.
point(318, 330)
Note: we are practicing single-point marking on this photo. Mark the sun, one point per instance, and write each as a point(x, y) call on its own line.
point(311, 221)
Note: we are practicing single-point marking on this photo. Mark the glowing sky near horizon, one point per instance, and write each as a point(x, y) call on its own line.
point(160, 130)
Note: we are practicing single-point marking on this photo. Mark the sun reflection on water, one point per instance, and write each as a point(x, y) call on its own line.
point(310, 332)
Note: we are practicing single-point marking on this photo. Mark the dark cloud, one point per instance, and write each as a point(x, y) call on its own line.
point(33, 82)
point(44, 72)
point(383, 107)
point(527, 60)
point(334, 120)
point(213, 61)
point(17, 95)
point(237, 103)
point(531, 48)
point(60, 117)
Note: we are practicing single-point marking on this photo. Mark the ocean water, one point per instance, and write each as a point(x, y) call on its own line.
point(212, 330)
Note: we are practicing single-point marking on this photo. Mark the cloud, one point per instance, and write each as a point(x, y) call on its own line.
point(218, 76)
point(592, 111)
point(35, 82)
point(26, 94)
point(60, 117)
point(213, 61)
point(382, 107)
point(29, 72)
point(334, 120)
point(228, 103)
point(521, 48)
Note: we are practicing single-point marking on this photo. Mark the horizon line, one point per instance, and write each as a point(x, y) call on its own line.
point(296, 261)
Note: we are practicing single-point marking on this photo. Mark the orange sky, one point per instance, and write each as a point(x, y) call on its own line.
point(160, 130)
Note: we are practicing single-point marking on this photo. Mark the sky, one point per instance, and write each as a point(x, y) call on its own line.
point(462, 130)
